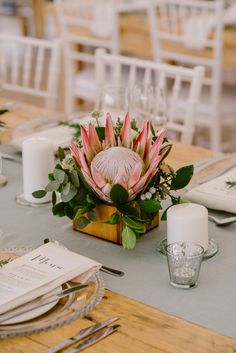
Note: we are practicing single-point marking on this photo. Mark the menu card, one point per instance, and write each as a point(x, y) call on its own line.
point(40, 271)
point(215, 194)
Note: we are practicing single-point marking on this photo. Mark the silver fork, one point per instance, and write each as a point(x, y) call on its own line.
point(222, 221)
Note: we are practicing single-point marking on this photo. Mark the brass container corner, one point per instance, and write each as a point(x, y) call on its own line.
point(110, 232)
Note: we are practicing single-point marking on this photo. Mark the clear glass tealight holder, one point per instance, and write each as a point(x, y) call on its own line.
point(184, 262)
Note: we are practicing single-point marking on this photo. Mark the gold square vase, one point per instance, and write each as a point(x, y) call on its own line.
point(110, 232)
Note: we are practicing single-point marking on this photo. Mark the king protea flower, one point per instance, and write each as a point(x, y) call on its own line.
point(119, 159)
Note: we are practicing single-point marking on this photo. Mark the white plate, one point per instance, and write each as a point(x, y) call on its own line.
point(8, 256)
point(35, 312)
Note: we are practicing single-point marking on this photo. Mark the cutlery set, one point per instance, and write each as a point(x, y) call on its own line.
point(87, 337)
point(39, 302)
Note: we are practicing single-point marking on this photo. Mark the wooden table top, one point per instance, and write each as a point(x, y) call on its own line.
point(143, 328)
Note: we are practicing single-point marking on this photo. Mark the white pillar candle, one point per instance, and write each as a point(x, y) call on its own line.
point(38, 162)
point(188, 222)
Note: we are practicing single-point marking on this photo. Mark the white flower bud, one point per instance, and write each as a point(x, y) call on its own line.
point(142, 197)
point(152, 190)
point(148, 195)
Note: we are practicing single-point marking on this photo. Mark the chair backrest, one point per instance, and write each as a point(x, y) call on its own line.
point(190, 32)
point(30, 66)
point(146, 73)
point(85, 26)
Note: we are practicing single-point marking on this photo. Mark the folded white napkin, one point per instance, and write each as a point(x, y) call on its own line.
point(39, 272)
point(215, 194)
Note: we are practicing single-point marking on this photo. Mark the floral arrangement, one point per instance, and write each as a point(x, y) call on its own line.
point(120, 165)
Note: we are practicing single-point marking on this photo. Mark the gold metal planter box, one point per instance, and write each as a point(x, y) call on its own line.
point(110, 232)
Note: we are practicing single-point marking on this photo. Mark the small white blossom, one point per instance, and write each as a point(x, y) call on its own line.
point(68, 162)
point(152, 190)
point(143, 197)
point(148, 195)
point(164, 168)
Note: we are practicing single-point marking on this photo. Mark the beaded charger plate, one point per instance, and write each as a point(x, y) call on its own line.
point(64, 311)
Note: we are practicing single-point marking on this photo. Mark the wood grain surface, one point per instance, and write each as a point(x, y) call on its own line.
point(143, 329)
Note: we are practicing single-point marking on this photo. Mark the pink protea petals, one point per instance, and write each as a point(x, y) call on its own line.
point(110, 139)
point(156, 160)
point(94, 139)
point(141, 140)
point(92, 183)
point(135, 176)
point(125, 132)
point(75, 150)
point(119, 178)
point(97, 177)
point(156, 146)
point(89, 153)
point(106, 189)
point(79, 157)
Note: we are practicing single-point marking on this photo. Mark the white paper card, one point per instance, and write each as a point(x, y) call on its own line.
point(215, 194)
point(40, 271)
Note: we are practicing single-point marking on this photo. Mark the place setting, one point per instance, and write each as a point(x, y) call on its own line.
point(59, 291)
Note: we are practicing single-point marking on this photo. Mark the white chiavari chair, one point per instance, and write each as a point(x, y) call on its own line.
point(158, 73)
point(196, 26)
point(30, 66)
point(84, 26)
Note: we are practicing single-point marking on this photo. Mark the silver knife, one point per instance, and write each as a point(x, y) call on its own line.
point(81, 334)
point(94, 338)
point(25, 308)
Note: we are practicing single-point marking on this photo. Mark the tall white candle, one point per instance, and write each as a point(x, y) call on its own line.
point(188, 222)
point(38, 161)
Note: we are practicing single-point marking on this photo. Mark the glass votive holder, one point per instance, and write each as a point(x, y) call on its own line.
point(184, 263)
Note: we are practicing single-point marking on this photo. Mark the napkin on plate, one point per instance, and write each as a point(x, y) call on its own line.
point(40, 271)
point(215, 194)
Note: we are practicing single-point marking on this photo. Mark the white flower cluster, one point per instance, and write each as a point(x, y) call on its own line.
point(68, 162)
point(148, 195)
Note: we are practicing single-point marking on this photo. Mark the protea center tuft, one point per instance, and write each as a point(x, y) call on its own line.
point(119, 159)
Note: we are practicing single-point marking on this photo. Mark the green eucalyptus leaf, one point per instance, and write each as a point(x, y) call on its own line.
point(182, 177)
point(65, 191)
point(82, 222)
point(92, 216)
point(128, 238)
point(134, 224)
point(39, 194)
point(114, 219)
point(59, 209)
point(51, 176)
point(61, 153)
point(74, 178)
point(118, 194)
point(128, 210)
point(149, 206)
point(100, 132)
point(92, 199)
point(52, 186)
point(59, 175)
point(69, 212)
point(146, 217)
point(71, 194)
point(54, 197)
point(81, 210)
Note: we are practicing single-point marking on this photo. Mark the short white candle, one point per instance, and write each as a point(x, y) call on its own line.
point(38, 161)
point(188, 222)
